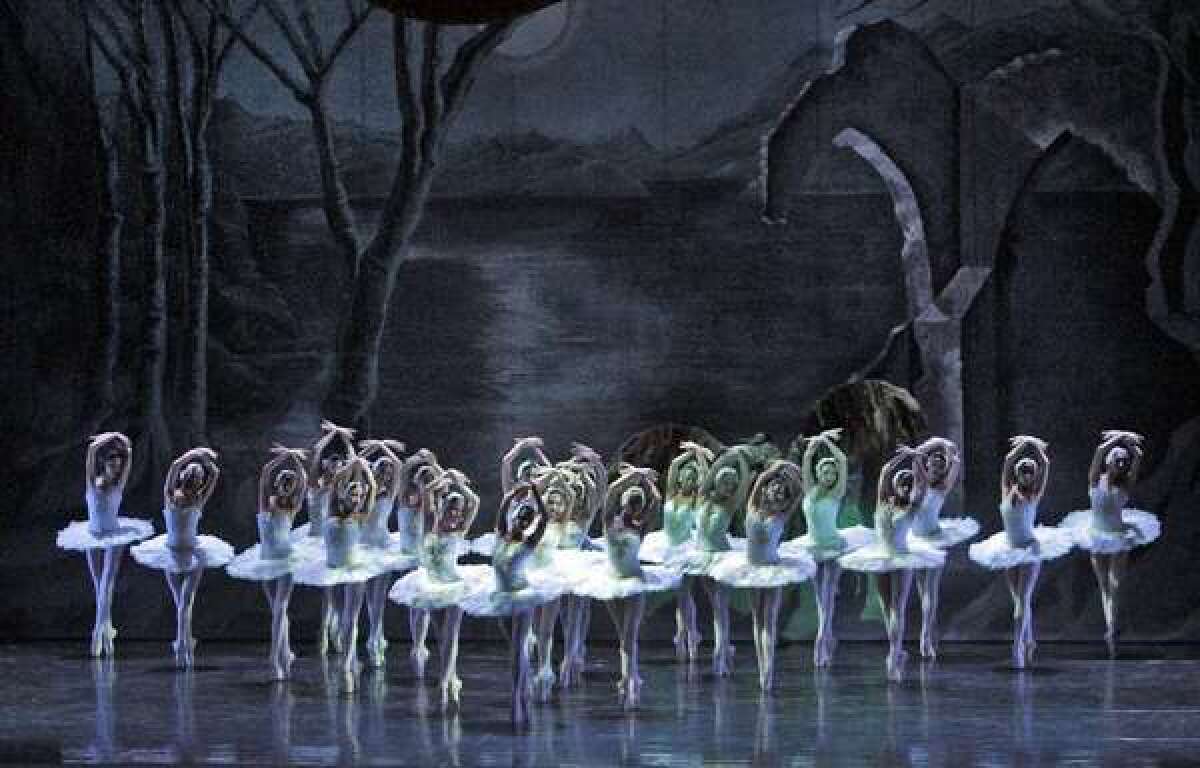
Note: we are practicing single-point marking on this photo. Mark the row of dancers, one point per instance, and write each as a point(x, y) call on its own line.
point(373, 515)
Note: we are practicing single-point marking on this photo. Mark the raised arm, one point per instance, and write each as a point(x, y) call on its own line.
point(612, 499)
point(1097, 468)
point(1043, 460)
point(212, 472)
point(920, 480)
point(676, 466)
point(808, 462)
point(745, 480)
point(1007, 480)
point(884, 491)
point(530, 447)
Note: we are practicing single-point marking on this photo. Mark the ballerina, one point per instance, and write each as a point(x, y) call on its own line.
point(509, 591)
point(104, 536)
point(590, 485)
point(519, 463)
point(346, 564)
point(439, 584)
point(381, 542)
point(894, 556)
point(760, 567)
point(1021, 548)
point(678, 538)
point(281, 489)
point(551, 561)
point(942, 464)
point(824, 489)
point(181, 553)
point(1110, 529)
point(419, 471)
point(630, 503)
point(331, 451)
point(723, 492)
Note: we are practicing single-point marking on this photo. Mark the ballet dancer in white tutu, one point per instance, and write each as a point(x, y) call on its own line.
point(105, 534)
point(281, 489)
point(182, 553)
point(895, 556)
point(333, 449)
point(677, 539)
point(1021, 548)
point(1110, 529)
point(510, 592)
point(826, 469)
point(620, 580)
point(760, 567)
point(346, 565)
point(942, 464)
point(589, 483)
point(420, 471)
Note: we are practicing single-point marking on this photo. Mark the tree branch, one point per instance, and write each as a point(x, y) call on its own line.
point(355, 22)
point(431, 94)
point(294, 38)
point(227, 46)
point(457, 82)
point(308, 26)
point(298, 91)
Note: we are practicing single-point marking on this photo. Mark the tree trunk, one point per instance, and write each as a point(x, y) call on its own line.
point(108, 270)
point(200, 203)
point(154, 353)
point(356, 382)
point(335, 199)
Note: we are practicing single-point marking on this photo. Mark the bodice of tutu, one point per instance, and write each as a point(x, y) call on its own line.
point(925, 522)
point(103, 506)
point(317, 502)
point(573, 536)
point(679, 521)
point(439, 556)
point(342, 536)
point(1107, 503)
point(820, 516)
point(274, 535)
point(623, 548)
point(1018, 516)
point(182, 523)
point(408, 525)
point(509, 562)
point(900, 520)
point(551, 538)
point(712, 527)
point(762, 538)
point(375, 527)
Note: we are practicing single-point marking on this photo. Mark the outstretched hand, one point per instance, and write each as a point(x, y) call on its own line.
point(1016, 441)
point(831, 435)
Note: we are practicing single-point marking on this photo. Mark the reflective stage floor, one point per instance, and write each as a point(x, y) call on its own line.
point(1075, 708)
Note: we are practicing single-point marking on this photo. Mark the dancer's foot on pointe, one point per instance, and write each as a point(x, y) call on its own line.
point(419, 656)
point(451, 690)
point(543, 684)
point(1018, 655)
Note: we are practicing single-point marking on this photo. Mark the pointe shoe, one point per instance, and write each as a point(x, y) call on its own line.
point(633, 693)
point(419, 656)
point(376, 653)
point(97, 649)
point(681, 645)
point(451, 690)
point(543, 684)
point(109, 635)
point(895, 666)
point(184, 652)
point(335, 639)
point(928, 649)
point(323, 640)
point(1018, 655)
point(1030, 647)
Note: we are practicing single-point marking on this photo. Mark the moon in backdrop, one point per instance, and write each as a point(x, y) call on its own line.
point(538, 32)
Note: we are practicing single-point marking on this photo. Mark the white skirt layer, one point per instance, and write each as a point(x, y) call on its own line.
point(490, 600)
point(572, 564)
point(417, 590)
point(77, 537)
point(603, 583)
point(392, 557)
point(301, 532)
point(699, 563)
point(996, 553)
point(875, 559)
point(251, 566)
point(483, 545)
point(316, 571)
point(954, 531)
point(738, 572)
point(853, 538)
point(1141, 528)
point(656, 548)
point(209, 552)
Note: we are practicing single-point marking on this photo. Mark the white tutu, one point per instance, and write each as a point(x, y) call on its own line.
point(853, 538)
point(251, 566)
point(603, 583)
point(656, 548)
point(392, 557)
point(482, 545)
point(738, 572)
point(76, 536)
point(300, 532)
point(954, 531)
point(698, 562)
point(996, 553)
point(209, 552)
point(417, 590)
point(1141, 528)
point(489, 600)
point(875, 559)
point(316, 571)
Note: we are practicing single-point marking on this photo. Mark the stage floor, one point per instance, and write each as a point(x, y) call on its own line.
point(1076, 707)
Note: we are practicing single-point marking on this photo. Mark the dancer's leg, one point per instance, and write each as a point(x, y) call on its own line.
point(828, 574)
point(758, 616)
point(377, 589)
point(547, 618)
point(929, 585)
point(353, 595)
point(327, 634)
point(635, 608)
point(773, 602)
point(1100, 569)
point(95, 561)
point(448, 650)
point(722, 652)
point(1116, 574)
point(687, 599)
point(522, 622)
point(183, 588)
point(1027, 581)
point(418, 628)
point(901, 584)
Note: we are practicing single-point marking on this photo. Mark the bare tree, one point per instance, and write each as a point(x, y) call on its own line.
point(430, 94)
point(120, 34)
point(200, 61)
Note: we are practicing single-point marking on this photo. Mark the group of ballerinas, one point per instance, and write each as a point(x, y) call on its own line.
point(545, 570)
